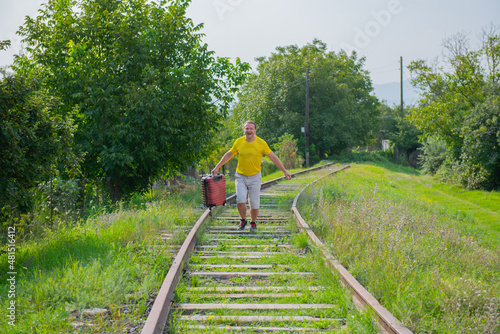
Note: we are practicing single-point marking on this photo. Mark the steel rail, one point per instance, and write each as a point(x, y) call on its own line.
point(388, 322)
point(157, 318)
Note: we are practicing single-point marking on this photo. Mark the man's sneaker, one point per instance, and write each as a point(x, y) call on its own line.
point(253, 226)
point(242, 224)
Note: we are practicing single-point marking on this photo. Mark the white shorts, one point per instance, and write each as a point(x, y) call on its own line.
point(248, 186)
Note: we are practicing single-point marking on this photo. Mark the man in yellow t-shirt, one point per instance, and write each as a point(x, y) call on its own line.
point(248, 177)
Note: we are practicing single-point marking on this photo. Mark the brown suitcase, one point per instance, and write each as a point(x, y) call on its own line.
point(213, 190)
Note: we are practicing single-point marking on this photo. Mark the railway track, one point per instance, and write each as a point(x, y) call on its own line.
point(225, 280)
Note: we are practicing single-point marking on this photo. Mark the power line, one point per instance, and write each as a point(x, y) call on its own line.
point(378, 68)
point(392, 70)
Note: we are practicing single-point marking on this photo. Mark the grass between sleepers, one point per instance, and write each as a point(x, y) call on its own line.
point(352, 321)
point(284, 264)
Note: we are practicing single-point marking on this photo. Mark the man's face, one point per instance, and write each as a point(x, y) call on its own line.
point(249, 129)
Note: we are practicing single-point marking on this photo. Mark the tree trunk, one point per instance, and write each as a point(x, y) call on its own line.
point(191, 171)
point(12, 209)
point(83, 195)
point(51, 202)
point(114, 188)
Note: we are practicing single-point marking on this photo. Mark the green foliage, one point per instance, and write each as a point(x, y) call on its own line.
point(287, 151)
point(433, 155)
point(219, 145)
point(406, 135)
point(33, 141)
point(403, 135)
point(461, 108)
point(4, 45)
point(150, 95)
point(113, 260)
point(387, 118)
point(301, 240)
point(426, 251)
point(267, 167)
point(63, 195)
point(342, 111)
point(481, 149)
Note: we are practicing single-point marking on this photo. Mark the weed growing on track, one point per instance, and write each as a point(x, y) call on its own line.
point(115, 262)
point(435, 267)
point(301, 240)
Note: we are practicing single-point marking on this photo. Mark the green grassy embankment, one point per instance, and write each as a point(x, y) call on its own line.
point(428, 252)
point(114, 262)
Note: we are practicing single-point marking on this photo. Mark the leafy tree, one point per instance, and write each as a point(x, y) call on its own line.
point(150, 95)
point(480, 154)
point(32, 141)
point(459, 106)
point(387, 119)
point(4, 45)
point(221, 143)
point(404, 136)
point(342, 111)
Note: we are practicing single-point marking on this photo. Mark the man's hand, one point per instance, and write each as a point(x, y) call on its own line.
point(278, 164)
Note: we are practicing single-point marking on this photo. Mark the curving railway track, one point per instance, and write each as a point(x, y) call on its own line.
point(225, 280)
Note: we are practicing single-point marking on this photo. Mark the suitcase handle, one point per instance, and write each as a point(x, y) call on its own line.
point(217, 177)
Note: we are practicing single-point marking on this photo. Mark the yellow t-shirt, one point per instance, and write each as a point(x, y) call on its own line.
point(249, 155)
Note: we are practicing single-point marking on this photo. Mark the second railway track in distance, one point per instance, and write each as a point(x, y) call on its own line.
point(226, 280)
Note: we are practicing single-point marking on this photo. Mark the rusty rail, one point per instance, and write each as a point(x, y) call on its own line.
point(361, 296)
point(155, 323)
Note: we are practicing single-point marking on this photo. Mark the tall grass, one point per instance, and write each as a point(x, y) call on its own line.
point(435, 267)
point(113, 261)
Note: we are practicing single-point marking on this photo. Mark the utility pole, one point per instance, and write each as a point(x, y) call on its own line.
point(396, 151)
point(306, 125)
point(401, 80)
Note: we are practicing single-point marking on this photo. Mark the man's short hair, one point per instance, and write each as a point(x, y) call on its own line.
point(250, 122)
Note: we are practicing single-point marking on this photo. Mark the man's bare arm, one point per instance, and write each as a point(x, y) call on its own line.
point(278, 164)
point(223, 161)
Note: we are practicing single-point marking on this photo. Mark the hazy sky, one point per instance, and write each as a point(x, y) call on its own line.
point(380, 30)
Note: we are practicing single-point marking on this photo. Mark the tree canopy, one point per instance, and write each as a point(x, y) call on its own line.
point(342, 111)
point(148, 93)
point(460, 106)
point(32, 140)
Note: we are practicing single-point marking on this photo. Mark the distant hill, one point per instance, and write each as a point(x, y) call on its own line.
point(390, 93)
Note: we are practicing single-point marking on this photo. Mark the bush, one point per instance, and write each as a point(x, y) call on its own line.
point(468, 175)
point(433, 155)
point(475, 164)
point(34, 139)
point(481, 145)
point(287, 151)
point(268, 167)
point(65, 197)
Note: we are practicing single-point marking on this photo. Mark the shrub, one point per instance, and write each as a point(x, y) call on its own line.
point(287, 150)
point(434, 154)
point(64, 197)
